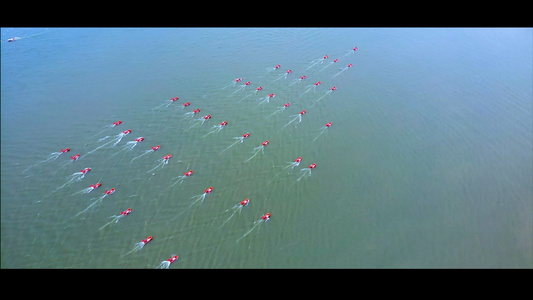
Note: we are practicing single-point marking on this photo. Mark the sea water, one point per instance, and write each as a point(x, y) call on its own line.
point(428, 163)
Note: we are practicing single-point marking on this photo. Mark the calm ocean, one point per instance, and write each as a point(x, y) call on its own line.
point(428, 162)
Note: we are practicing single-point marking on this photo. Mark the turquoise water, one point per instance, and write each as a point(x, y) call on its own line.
point(428, 163)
